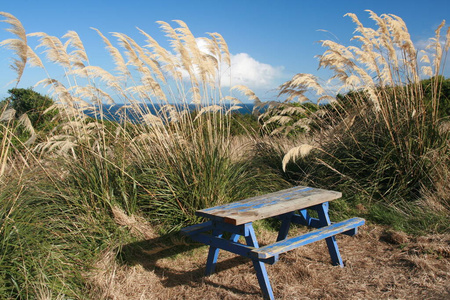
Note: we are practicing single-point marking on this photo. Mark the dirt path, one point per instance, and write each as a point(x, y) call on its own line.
point(379, 265)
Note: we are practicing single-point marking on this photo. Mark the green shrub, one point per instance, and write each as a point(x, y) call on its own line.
point(35, 105)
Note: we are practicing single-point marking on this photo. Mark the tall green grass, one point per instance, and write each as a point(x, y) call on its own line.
point(200, 174)
point(384, 136)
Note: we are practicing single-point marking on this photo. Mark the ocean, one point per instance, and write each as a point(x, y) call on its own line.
point(112, 112)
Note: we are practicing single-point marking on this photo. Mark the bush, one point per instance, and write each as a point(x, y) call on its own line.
point(27, 101)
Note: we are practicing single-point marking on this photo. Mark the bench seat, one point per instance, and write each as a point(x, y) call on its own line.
point(196, 229)
point(273, 250)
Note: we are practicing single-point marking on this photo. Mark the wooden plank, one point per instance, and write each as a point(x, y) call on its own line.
point(275, 249)
point(269, 205)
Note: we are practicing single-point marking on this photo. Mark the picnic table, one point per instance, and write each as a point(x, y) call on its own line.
point(290, 206)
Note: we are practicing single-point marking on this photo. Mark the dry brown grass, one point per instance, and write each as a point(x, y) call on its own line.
point(380, 264)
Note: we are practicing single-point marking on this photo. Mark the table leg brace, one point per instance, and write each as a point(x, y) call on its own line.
point(260, 268)
point(213, 254)
point(324, 220)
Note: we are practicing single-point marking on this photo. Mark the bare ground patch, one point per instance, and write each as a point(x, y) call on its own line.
point(380, 264)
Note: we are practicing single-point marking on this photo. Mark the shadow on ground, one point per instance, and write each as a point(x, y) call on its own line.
point(149, 253)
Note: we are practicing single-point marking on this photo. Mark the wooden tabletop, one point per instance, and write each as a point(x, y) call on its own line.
point(268, 205)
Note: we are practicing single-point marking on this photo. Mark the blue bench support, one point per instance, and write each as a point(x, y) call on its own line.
point(286, 221)
point(216, 242)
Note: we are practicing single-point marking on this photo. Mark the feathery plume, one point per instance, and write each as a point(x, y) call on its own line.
point(247, 92)
point(152, 120)
point(121, 66)
point(78, 56)
point(282, 120)
point(8, 115)
point(232, 100)
point(148, 59)
point(55, 50)
point(19, 45)
point(166, 58)
point(233, 108)
point(223, 46)
point(25, 121)
point(211, 108)
point(300, 151)
point(33, 59)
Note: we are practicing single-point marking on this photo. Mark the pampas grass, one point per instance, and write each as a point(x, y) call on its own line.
point(18, 45)
point(380, 137)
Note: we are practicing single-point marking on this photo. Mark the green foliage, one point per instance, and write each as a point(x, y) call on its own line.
point(50, 237)
point(102, 184)
point(442, 93)
point(27, 101)
point(269, 155)
point(236, 123)
point(31, 121)
point(436, 87)
point(409, 217)
point(244, 124)
point(394, 154)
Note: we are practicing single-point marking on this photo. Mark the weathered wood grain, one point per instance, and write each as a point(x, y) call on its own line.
point(269, 205)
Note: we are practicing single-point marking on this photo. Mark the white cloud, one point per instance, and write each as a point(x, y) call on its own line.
point(244, 70)
point(248, 71)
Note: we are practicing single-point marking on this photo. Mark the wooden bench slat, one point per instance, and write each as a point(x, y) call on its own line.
point(196, 229)
point(310, 237)
point(269, 205)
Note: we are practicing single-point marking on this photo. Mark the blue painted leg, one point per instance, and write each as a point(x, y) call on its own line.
point(263, 279)
point(305, 216)
point(234, 237)
point(213, 254)
point(307, 220)
point(285, 224)
point(334, 251)
point(324, 219)
point(260, 268)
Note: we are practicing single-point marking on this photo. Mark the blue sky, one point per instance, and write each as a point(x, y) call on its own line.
point(273, 40)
